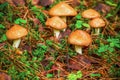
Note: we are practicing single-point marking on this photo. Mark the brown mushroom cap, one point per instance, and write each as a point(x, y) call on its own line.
point(56, 23)
point(16, 32)
point(62, 9)
point(97, 22)
point(79, 38)
point(90, 13)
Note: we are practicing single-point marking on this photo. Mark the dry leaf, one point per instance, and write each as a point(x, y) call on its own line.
point(19, 2)
point(46, 2)
point(103, 8)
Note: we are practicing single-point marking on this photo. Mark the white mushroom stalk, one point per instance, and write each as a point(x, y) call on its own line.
point(16, 43)
point(65, 20)
point(78, 49)
point(97, 31)
point(56, 33)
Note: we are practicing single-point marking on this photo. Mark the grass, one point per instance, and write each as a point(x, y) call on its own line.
point(108, 48)
point(79, 23)
point(75, 76)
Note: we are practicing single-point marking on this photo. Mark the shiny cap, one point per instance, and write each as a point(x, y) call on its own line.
point(79, 38)
point(56, 23)
point(90, 13)
point(16, 32)
point(62, 9)
point(97, 22)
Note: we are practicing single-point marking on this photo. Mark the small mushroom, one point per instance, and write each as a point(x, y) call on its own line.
point(90, 13)
point(79, 38)
point(62, 9)
point(15, 33)
point(97, 23)
point(57, 24)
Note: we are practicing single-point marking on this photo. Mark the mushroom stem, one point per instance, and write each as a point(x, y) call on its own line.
point(78, 49)
point(97, 31)
point(65, 20)
point(56, 33)
point(64, 30)
point(16, 43)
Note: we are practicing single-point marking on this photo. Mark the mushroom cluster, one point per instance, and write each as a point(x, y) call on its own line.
point(59, 13)
point(58, 22)
point(96, 21)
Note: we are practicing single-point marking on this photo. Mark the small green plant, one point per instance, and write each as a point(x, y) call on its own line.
point(1, 15)
point(108, 50)
point(95, 75)
point(22, 75)
point(6, 11)
point(71, 52)
point(79, 23)
point(110, 47)
point(21, 68)
point(81, 6)
point(111, 3)
point(61, 46)
point(40, 51)
point(75, 76)
point(114, 42)
point(38, 13)
point(49, 42)
point(2, 27)
point(48, 67)
point(114, 71)
point(49, 75)
point(35, 34)
point(109, 15)
point(25, 67)
point(3, 36)
point(4, 6)
point(20, 21)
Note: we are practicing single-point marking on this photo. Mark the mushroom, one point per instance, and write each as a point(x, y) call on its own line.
point(90, 13)
point(15, 33)
point(97, 23)
point(57, 24)
point(62, 9)
point(79, 38)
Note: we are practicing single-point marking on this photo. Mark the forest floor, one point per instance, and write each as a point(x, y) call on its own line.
point(40, 56)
